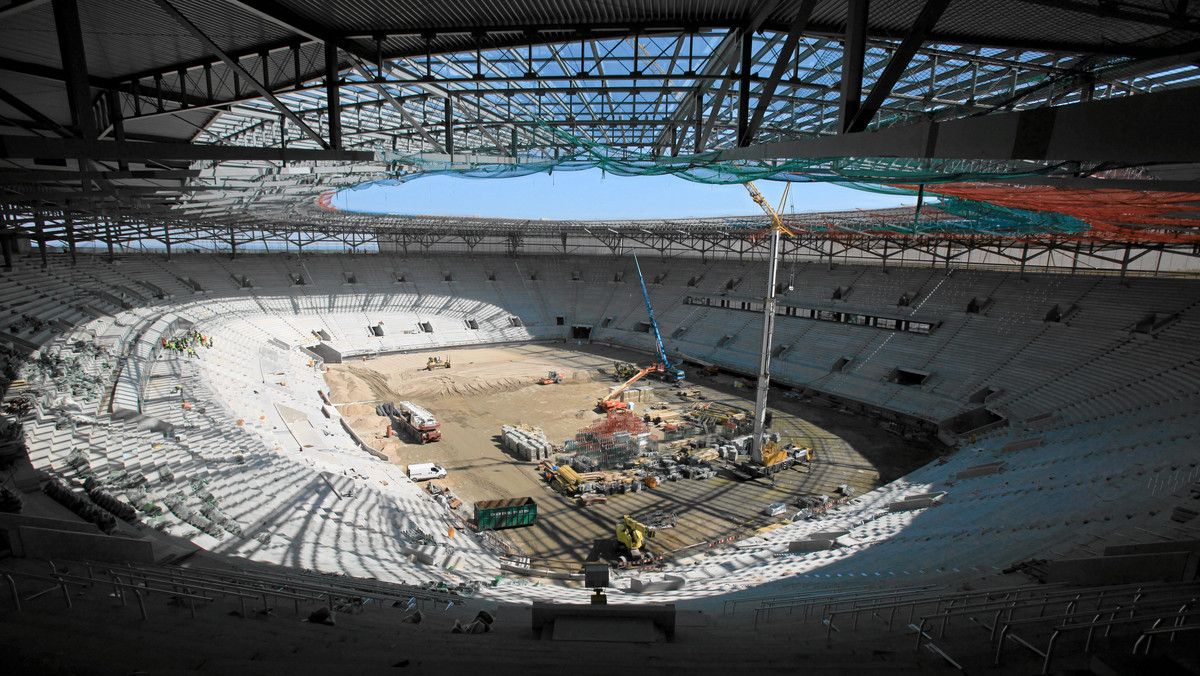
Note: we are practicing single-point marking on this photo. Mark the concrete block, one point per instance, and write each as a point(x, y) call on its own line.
point(801, 546)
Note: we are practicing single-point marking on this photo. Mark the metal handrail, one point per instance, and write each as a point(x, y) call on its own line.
point(798, 595)
point(1068, 626)
point(1181, 614)
point(1148, 635)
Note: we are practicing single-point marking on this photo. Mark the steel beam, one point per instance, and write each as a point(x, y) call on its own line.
point(853, 55)
point(917, 34)
point(743, 118)
point(34, 114)
point(15, 176)
point(767, 94)
point(1143, 129)
point(333, 96)
point(399, 107)
point(241, 72)
point(29, 147)
point(70, 47)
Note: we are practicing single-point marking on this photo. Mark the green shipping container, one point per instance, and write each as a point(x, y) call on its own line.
point(506, 513)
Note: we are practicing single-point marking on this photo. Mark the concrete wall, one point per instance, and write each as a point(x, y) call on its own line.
point(1168, 567)
point(46, 543)
point(10, 525)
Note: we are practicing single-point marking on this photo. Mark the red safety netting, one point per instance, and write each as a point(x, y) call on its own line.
point(1113, 214)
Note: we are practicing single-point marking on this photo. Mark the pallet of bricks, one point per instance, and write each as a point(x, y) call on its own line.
point(527, 442)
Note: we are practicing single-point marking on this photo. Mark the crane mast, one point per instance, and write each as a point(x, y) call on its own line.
point(768, 332)
point(669, 370)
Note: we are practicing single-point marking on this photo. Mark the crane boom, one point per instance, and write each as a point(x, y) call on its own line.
point(608, 403)
point(768, 332)
point(670, 371)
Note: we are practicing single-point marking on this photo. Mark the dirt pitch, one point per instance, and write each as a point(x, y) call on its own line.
point(491, 386)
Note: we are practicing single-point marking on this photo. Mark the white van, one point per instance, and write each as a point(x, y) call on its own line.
point(425, 470)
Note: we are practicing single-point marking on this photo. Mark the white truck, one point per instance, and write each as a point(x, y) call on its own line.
point(425, 470)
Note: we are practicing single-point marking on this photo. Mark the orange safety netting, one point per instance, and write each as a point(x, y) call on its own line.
point(1112, 214)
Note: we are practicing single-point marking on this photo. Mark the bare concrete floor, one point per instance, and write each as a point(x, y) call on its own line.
point(488, 387)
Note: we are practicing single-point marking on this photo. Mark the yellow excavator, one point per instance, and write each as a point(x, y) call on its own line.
point(437, 363)
point(632, 536)
point(623, 370)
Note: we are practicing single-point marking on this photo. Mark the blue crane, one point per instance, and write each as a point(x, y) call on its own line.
point(669, 371)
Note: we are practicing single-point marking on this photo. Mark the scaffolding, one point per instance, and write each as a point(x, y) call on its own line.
point(611, 442)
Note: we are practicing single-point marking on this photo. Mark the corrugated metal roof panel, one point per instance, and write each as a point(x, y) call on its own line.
point(30, 37)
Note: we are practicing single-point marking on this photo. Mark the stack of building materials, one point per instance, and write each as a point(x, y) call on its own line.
point(640, 394)
point(612, 441)
point(634, 394)
point(528, 442)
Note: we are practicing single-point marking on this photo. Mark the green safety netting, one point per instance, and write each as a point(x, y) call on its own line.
point(711, 168)
point(958, 216)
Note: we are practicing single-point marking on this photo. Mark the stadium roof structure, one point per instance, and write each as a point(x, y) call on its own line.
point(1053, 122)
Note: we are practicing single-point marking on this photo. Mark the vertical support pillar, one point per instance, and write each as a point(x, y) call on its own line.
point(333, 96)
point(40, 221)
point(108, 237)
point(70, 47)
point(6, 247)
point(743, 119)
point(232, 244)
point(70, 237)
point(113, 99)
point(450, 128)
point(167, 240)
point(853, 54)
point(283, 138)
point(698, 136)
point(1025, 257)
point(5, 240)
point(920, 203)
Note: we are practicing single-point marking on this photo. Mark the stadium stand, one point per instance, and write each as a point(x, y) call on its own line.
point(229, 474)
point(179, 498)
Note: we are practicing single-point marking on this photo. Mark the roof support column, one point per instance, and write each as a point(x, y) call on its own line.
point(767, 93)
point(743, 120)
point(853, 54)
point(333, 96)
point(108, 237)
point(117, 122)
point(239, 73)
point(6, 246)
point(450, 128)
point(40, 223)
point(70, 236)
point(896, 66)
point(70, 46)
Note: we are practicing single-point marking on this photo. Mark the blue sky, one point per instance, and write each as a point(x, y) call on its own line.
point(590, 195)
